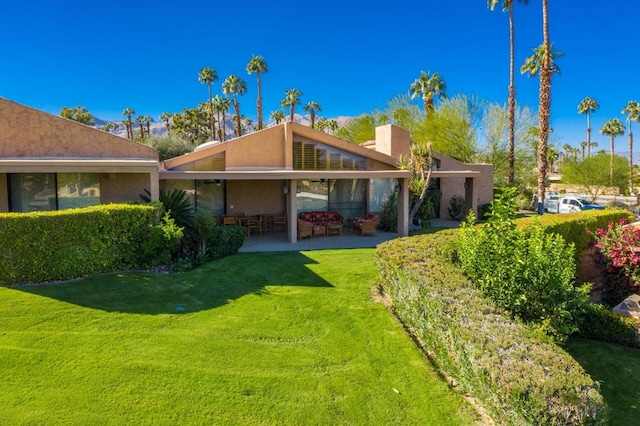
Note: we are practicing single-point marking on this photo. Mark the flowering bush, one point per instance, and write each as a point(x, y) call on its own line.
point(617, 251)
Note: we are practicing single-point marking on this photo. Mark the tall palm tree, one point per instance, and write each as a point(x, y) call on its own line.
point(632, 109)
point(587, 106)
point(277, 116)
point(311, 108)
point(209, 76)
point(166, 116)
point(542, 63)
point(258, 65)
point(235, 86)
point(129, 112)
point(147, 121)
point(140, 121)
point(291, 99)
point(507, 6)
point(428, 87)
point(612, 128)
point(583, 145)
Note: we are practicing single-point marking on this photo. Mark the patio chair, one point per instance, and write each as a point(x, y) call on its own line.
point(229, 220)
point(253, 223)
point(305, 229)
point(280, 220)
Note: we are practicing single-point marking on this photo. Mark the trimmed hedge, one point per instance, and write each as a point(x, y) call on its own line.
point(517, 377)
point(67, 244)
point(572, 226)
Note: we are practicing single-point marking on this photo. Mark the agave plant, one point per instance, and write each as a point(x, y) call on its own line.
point(177, 203)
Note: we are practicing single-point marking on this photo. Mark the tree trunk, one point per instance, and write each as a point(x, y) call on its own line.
point(259, 103)
point(224, 126)
point(588, 134)
point(414, 209)
point(544, 108)
point(313, 118)
point(630, 160)
point(291, 112)
point(611, 147)
point(236, 107)
point(512, 100)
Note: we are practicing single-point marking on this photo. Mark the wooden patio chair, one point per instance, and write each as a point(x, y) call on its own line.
point(305, 229)
point(253, 223)
point(280, 220)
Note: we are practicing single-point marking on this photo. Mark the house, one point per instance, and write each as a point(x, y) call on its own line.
point(48, 163)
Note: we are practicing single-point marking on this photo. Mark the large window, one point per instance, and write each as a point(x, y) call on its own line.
point(346, 196)
point(50, 191)
point(311, 155)
point(204, 194)
point(379, 191)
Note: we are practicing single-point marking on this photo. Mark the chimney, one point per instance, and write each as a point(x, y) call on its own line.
point(393, 140)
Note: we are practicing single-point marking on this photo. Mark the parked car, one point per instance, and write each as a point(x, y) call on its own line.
point(552, 203)
point(576, 204)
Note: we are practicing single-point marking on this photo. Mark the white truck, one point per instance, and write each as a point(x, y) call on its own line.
point(555, 204)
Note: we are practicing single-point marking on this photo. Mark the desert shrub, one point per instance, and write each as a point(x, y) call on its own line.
point(457, 208)
point(528, 272)
point(162, 238)
point(389, 214)
point(517, 377)
point(484, 211)
point(599, 323)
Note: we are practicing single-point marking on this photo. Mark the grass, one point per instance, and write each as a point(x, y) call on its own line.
point(255, 339)
point(617, 369)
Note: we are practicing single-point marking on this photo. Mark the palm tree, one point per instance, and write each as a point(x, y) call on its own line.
point(258, 65)
point(583, 145)
point(237, 87)
point(140, 121)
point(129, 112)
point(507, 6)
point(277, 116)
point(428, 87)
point(166, 116)
point(612, 128)
point(332, 125)
point(311, 108)
point(148, 120)
point(587, 106)
point(221, 106)
point(542, 63)
point(291, 99)
point(109, 127)
point(633, 114)
point(209, 76)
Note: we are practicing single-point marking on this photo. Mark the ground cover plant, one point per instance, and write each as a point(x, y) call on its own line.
point(266, 338)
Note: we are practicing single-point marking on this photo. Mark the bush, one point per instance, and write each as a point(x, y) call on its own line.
point(599, 323)
point(66, 244)
point(457, 208)
point(515, 376)
point(389, 214)
point(528, 272)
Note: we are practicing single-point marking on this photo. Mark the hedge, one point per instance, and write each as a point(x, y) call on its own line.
point(517, 377)
point(66, 244)
point(572, 226)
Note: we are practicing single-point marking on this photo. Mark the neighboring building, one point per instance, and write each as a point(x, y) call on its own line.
point(50, 163)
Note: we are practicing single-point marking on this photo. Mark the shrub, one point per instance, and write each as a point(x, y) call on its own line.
point(389, 214)
point(528, 272)
point(599, 323)
point(515, 376)
point(457, 208)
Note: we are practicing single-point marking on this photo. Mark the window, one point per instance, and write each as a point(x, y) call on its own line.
point(50, 191)
point(346, 196)
point(311, 155)
point(214, 163)
point(379, 192)
point(204, 194)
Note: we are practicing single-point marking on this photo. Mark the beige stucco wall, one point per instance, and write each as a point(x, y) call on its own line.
point(482, 184)
point(123, 187)
point(257, 150)
point(253, 197)
point(27, 132)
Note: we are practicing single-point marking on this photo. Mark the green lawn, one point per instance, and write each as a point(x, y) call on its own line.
point(266, 338)
point(617, 368)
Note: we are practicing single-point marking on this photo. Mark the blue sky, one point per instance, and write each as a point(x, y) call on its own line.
point(350, 56)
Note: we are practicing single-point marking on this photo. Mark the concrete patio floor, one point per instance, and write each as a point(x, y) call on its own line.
point(277, 241)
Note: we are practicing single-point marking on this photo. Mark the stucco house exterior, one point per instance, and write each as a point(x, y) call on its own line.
point(48, 163)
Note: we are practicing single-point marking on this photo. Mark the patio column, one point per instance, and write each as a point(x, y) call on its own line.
point(403, 207)
point(154, 185)
point(292, 211)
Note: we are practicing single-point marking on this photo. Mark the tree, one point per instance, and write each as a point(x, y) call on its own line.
point(129, 112)
point(166, 116)
point(79, 114)
point(332, 125)
point(147, 121)
point(632, 109)
point(542, 63)
point(507, 6)
point(587, 106)
point(191, 125)
point(109, 127)
point(419, 164)
point(140, 121)
point(209, 76)
point(583, 145)
point(592, 174)
point(235, 86)
point(277, 116)
point(292, 98)
point(258, 65)
point(428, 87)
point(612, 128)
point(170, 146)
point(312, 107)
point(221, 105)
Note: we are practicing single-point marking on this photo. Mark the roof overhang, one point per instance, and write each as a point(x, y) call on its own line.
point(56, 165)
point(285, 174)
